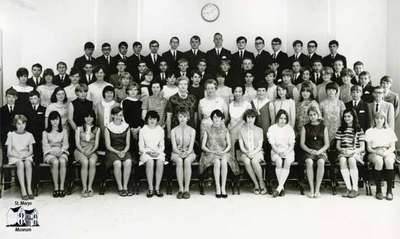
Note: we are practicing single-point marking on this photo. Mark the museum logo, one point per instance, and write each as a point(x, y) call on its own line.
point(22, 216)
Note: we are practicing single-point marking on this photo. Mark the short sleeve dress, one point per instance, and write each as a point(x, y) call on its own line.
point(87, 140)
point(20, 143)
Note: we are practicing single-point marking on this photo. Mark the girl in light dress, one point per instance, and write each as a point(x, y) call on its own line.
point(46, 90)
point(283, 101)
point(96, 88)
point(170, 88)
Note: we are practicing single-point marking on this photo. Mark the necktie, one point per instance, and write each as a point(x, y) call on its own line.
point(37, 81)
point(355, 104)
point(62, 78)
point(217, 52)
point(241, 54)
point(162, 76)
point(194, 52)
point(376, 107)
point(274, 55)
point(89, 78)
point(124, 57)
point(11, 109)
point(174, 54)
point(108, 60)
point(295, 56)
point(154, 59)
point(138, 57)
point(310, 56)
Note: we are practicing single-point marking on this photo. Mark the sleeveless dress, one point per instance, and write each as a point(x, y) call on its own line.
point(315, 140)
point(118, 142)
point(87, 140)
point(183, 137)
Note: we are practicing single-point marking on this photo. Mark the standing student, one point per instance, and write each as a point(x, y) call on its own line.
point(80, 62)
point(306, 79)
point(55, 151)
point(345, 88)
point(163, 71)
point(96, 88)
point(361, 107)
point(262, 59)
point(47, 88)
point(132, 106)
point(250, 92)
point(296, 68)
point(368, 90)
point(350, 145)
point(306, 101)
point(173, 54)
point(287, 76)
point(170, 88)
point(151, 149)
point(281, 136)
point(314, 141)
point(389, 95)
point(379, 105)
point(223, 91)
point(251, 147)
point(22, 88)
point(183, 68)
point(155, 102)
point(241, 54)
point(279, 56)
point(194, 54)
point(59, 103)
point(215, 55)
point(62, 78)
point(87, 137)
point(79, 107)
point(121, 55)
point(202, 67)
point(20, 152)
point(269, 77)
point(381, 141)
point(153, 58)
point(337, 72)
point(285, 102)
point(140, 72)
point(334, 55)
point(36, 79)
point(103, 110)
point(312, 53)
point(74, 77)
point(115, 78)
point(122, 86)
point(135, 58)
point(321, 88)
point(216, 145)
point(358, 67)
point(145, 89)
point(196, 88)
point(87, 76)
point(105, 60)
point(316, 74)
point(182, 140)
point(118, 139)
point(298, 55)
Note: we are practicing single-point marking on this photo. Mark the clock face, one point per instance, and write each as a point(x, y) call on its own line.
point(210, 12)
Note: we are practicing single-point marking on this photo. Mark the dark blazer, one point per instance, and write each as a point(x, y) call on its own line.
point(32, 82)
point(337, 79)
point(261, 62)
point(102, 61)
point(194, 59)
point(329, 60)
point(133, 62)
point(115, 60)
point(171, 61)
point(158, 77)
point(64, 83)
point(36, 121)
point(232, 79)
point(303, 59)
point(137, 78)
point(213, 61)
point(297, 79)
point(84, 80)
point(283, 60)
point(179, 74)
point(151, 65)
point(80, 62)
point(363, 114)
point(205, 76)
point(316, 79)
point(313, 58)
point(6, 119)
point(367, 93)
point(237, 61)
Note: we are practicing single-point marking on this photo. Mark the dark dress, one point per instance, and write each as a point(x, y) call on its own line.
point(198, 92)
point(118, 142)
point(132, 112)
point(175, 103)
point(315, 139)
point(81, 108)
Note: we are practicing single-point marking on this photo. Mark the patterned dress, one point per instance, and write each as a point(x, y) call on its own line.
point(332, 111)
point(206, 107)
point(301, 113)
point(176, 102)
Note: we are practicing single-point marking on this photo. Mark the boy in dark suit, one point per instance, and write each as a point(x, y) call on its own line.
point(238, 57)
point(135, 58)
point(140, 72)
point(194, 54)
point(215, 55)
point(80, 62)
point(316, 74)
point(153, 58)
point(281, 57)
point(87, 77)
point(334, 55)
point(202, 70)
point(62, 78)
point(114, 78)
point(296, 68)
point(122, 50)
point(337, 71)
point(105, 60)
point(163, 72)
point(312, 55)
point(36, 78)
point(183, 66)
point(262, 59)
point(173, 55)
point(358, 67)
point(231, 79)
point(365, 82)
point(298, 54)
point(360, 107)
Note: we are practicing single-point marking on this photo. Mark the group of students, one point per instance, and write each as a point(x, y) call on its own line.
point(236, 107)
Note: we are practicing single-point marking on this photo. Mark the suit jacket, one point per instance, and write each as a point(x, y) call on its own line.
point(297, 79)
point(194, 59)
point(115, 60)
point(102, 61)
point(329, 60)
point(133, 62)
point(313, 58)
point(137, 78)
point(171, 61)
point(337, 79)
point(6, 119)
point(57, 80)
point(85, 80)
point(232, 78)
point(80, 62)
point(316, 79)
point(303, 59)
point(355, 80)
point(151, 65)
point(237, 61)
point(179, 74)
point(385, 107)
point(213, 61)
point(162, 77)
point(32, 82)
point(367, 93)
point(36, 121)
point(363, 114)
point(205, 76)
point(283, 60)
point(261, 62)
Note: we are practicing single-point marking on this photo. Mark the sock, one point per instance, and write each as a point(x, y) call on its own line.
point(346, 178)
point(354, 178)
point(389, 177)
point(282, 178)
point(378, 179)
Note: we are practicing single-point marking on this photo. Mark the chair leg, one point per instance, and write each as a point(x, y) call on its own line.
point(201, 183)
point(1, 181)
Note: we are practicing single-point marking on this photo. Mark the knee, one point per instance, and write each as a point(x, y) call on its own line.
point(92, 162)
point(54, 162)
point(389, 162)
point(343, 162)
point(84, 163)
point(321, 163)
point(178, 161)
point(378, 162)
point(28, 164)
point(117, 164)
point(189, 160)
point(246, 160)
point(309, 163)
point(352, 163)
point(127, 163)
point(160, 163)
point(150, 163)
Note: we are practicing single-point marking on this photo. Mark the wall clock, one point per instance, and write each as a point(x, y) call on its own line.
point(210, 12)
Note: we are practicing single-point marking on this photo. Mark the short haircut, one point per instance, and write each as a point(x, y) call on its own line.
point(174, 38)
point(355, 87)
point(136, 43)
point(106, 89)
point(11, 91)
point(358, 63)
point(312, 108)
point(195, 72)
point(48, 72)
point(74, 71)
point(378, 87)
point(123, 44)
point(81, 88)
point(202, 60)
point(365, 73)
point(105, 44)
point(338, 60)
point(346, 72)
point(240, 86)
point(151, 114)
point(249, 72)
point(19, 117)
point(327, 70)
point(269, 71)
point(386, 79)
point(280, 113)
point(284, 87)
point(61, 63)
point(53, 98)
point(217, 113)
point(154, 42)
point(183, 111)
point(88, 45)
point(249, 113)
point(98, 68)
point(241, 38)
point(115, 110)
point(217, 34)
point(261, 84)
point(287, 72)
point(34, 93)
point(182, 60)
point(333, 42)
point(332, 86)
point(313, 42)
point(220, 74)
point(297, 42)
point(195, 37)
point(317, 60)
point(154, 82)
point(38, 65)
point(211, 82)
point(52, 116)
point(258, 38)
point(22, 71)
point(276, 40)
point(133, 85)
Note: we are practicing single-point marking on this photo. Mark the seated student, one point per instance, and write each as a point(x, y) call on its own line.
point(280, 57)
point(87, 137)
point(22, 88)
point(390, 96)
point(155, 102)
point(238, 57)
point(140, 72)
point(74, 77)
point(306, 101)
point(381, 141)
point(163, 72)
point(269, 77)
point(337, 72)
point(250, 93)
point(183, 68)
point(145, 83)
point(96, 87)
point(55, 151)
point(251, 147)
point(305, 76)
point(345, 88)
point(312, 53)
point(321, 88)
point(135, 58)
point(287, 76)
point(223, 91)
point(87, 76)
point(296, 68)
point(115, 78)
point(332, 109)
point(194, 54)
point(122, 50)
point(262, 59)
point(173, 54)
point(285, 102)
point(118, 139)
point(274, 66)
point(261, 105)
point(316, 74)
point(151, 149)
point(59, 103)
point(225, 68)
point(79, 107)
point(47, 88)
point(153, 58)
point(350, 145)
point(379, 105)
point(282, 138)
point(333, 55)
point(170, 88)
point(182, 140)
point(62, 78)
point(36, 79)
point(196, 88)
point(314, 141)
point(122, 86)
point(20, 152)
point(80, 62)
point(215, 55)
point(105, 59)
point(216, 144)
point(103, 109)
point(131, 106)
point(365, 82)
point(298, 54)
point(360, 107)
point(358, 67)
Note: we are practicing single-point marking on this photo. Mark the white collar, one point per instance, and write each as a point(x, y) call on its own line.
point(107, 104)
point(131, 99)
point(117, 129)
point(277, 52)
point(122, 56)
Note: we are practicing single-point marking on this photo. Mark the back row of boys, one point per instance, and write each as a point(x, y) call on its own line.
point(261, 59)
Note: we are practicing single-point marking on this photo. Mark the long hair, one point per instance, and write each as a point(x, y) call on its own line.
point(356, 125)
point(52, 116)
point(306, 87)
point(93, 115)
